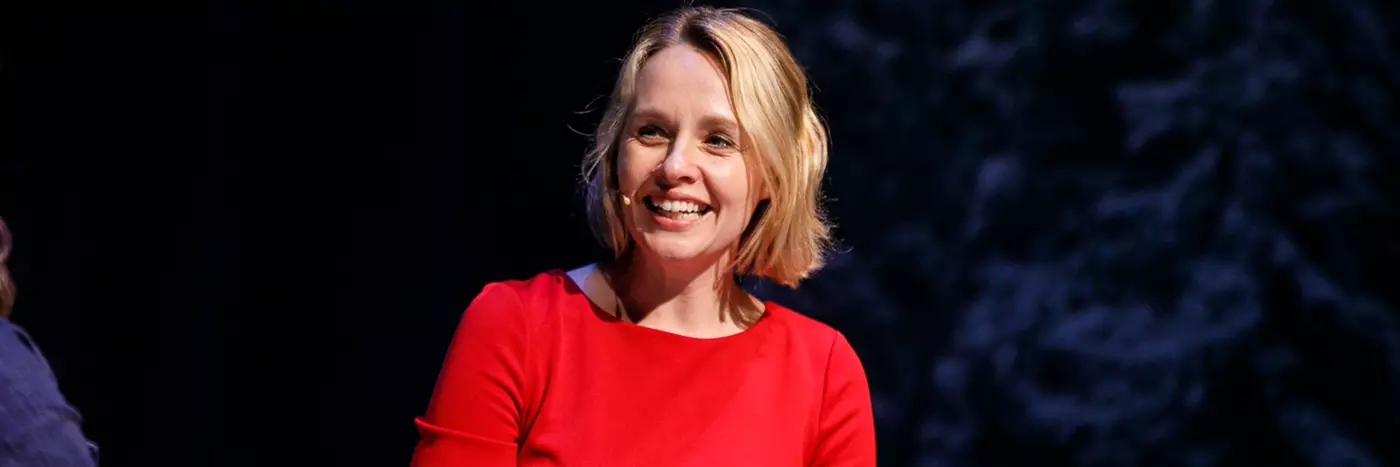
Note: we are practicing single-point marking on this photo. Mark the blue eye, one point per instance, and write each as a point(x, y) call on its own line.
point(719, 142)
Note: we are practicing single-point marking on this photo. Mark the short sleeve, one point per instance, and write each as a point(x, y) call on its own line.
point(847, 423)
point(474, 416)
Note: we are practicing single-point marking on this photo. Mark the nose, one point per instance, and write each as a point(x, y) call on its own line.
point(677, 168)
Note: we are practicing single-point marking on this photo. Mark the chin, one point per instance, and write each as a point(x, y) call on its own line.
point(675, 249)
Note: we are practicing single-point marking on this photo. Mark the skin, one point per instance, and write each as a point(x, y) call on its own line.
point(682, 139)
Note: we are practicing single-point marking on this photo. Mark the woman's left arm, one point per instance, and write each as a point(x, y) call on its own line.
point(847, 424)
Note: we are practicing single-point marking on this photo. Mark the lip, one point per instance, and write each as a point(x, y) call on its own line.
point(677, 197)
point(675, 225)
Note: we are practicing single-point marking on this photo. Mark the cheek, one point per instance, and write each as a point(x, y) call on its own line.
point(732, 183)
point(632, 168)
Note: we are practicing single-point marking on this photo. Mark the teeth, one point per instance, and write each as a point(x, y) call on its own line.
point(678, 206)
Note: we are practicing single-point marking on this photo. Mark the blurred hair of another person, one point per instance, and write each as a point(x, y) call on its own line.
point(37, 426)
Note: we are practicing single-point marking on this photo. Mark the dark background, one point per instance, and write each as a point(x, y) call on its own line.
point(1075, 233)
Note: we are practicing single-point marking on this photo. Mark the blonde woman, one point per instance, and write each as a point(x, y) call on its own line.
point(706, 167)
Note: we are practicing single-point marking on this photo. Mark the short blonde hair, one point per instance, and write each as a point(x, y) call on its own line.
point(787, 239)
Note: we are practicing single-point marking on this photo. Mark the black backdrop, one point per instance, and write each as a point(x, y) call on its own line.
point(1084, 233)
point(271, 252)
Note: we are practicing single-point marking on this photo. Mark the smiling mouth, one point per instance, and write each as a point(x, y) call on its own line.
point(678, 210)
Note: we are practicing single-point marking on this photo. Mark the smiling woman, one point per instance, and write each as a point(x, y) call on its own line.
point(707, 166)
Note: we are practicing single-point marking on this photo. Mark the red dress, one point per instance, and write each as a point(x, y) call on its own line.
point(537, 375)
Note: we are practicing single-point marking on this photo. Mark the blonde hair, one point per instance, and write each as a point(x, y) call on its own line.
point(788, 237)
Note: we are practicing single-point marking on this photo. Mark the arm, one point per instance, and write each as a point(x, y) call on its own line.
point(847, 424)
point(475, 414)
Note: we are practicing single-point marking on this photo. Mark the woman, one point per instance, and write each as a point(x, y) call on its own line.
point(37, 426)
point(658, 357)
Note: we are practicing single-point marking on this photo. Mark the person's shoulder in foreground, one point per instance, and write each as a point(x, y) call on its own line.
point(37, 426)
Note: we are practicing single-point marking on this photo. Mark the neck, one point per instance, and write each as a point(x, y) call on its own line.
point(696, 299)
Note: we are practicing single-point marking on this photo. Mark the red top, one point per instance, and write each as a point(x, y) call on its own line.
point(537, 375)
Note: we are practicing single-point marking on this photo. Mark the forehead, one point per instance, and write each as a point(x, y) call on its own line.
point(682, 79)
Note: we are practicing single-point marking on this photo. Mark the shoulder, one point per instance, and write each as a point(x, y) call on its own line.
point(845, 424)
point(541, 284)
point(521, 294)
point(818, 341)
point(522, 304)
point(804, 329)
point(40, 426)
point(500, 328)
point(800, 324)
point(20, 360)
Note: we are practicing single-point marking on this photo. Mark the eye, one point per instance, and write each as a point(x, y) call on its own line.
point(719, 141)
point(650, 133)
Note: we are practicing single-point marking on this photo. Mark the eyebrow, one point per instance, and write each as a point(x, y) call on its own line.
point(709, 120)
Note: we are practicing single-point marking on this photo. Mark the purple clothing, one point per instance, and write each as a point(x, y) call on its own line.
point(37, 426)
